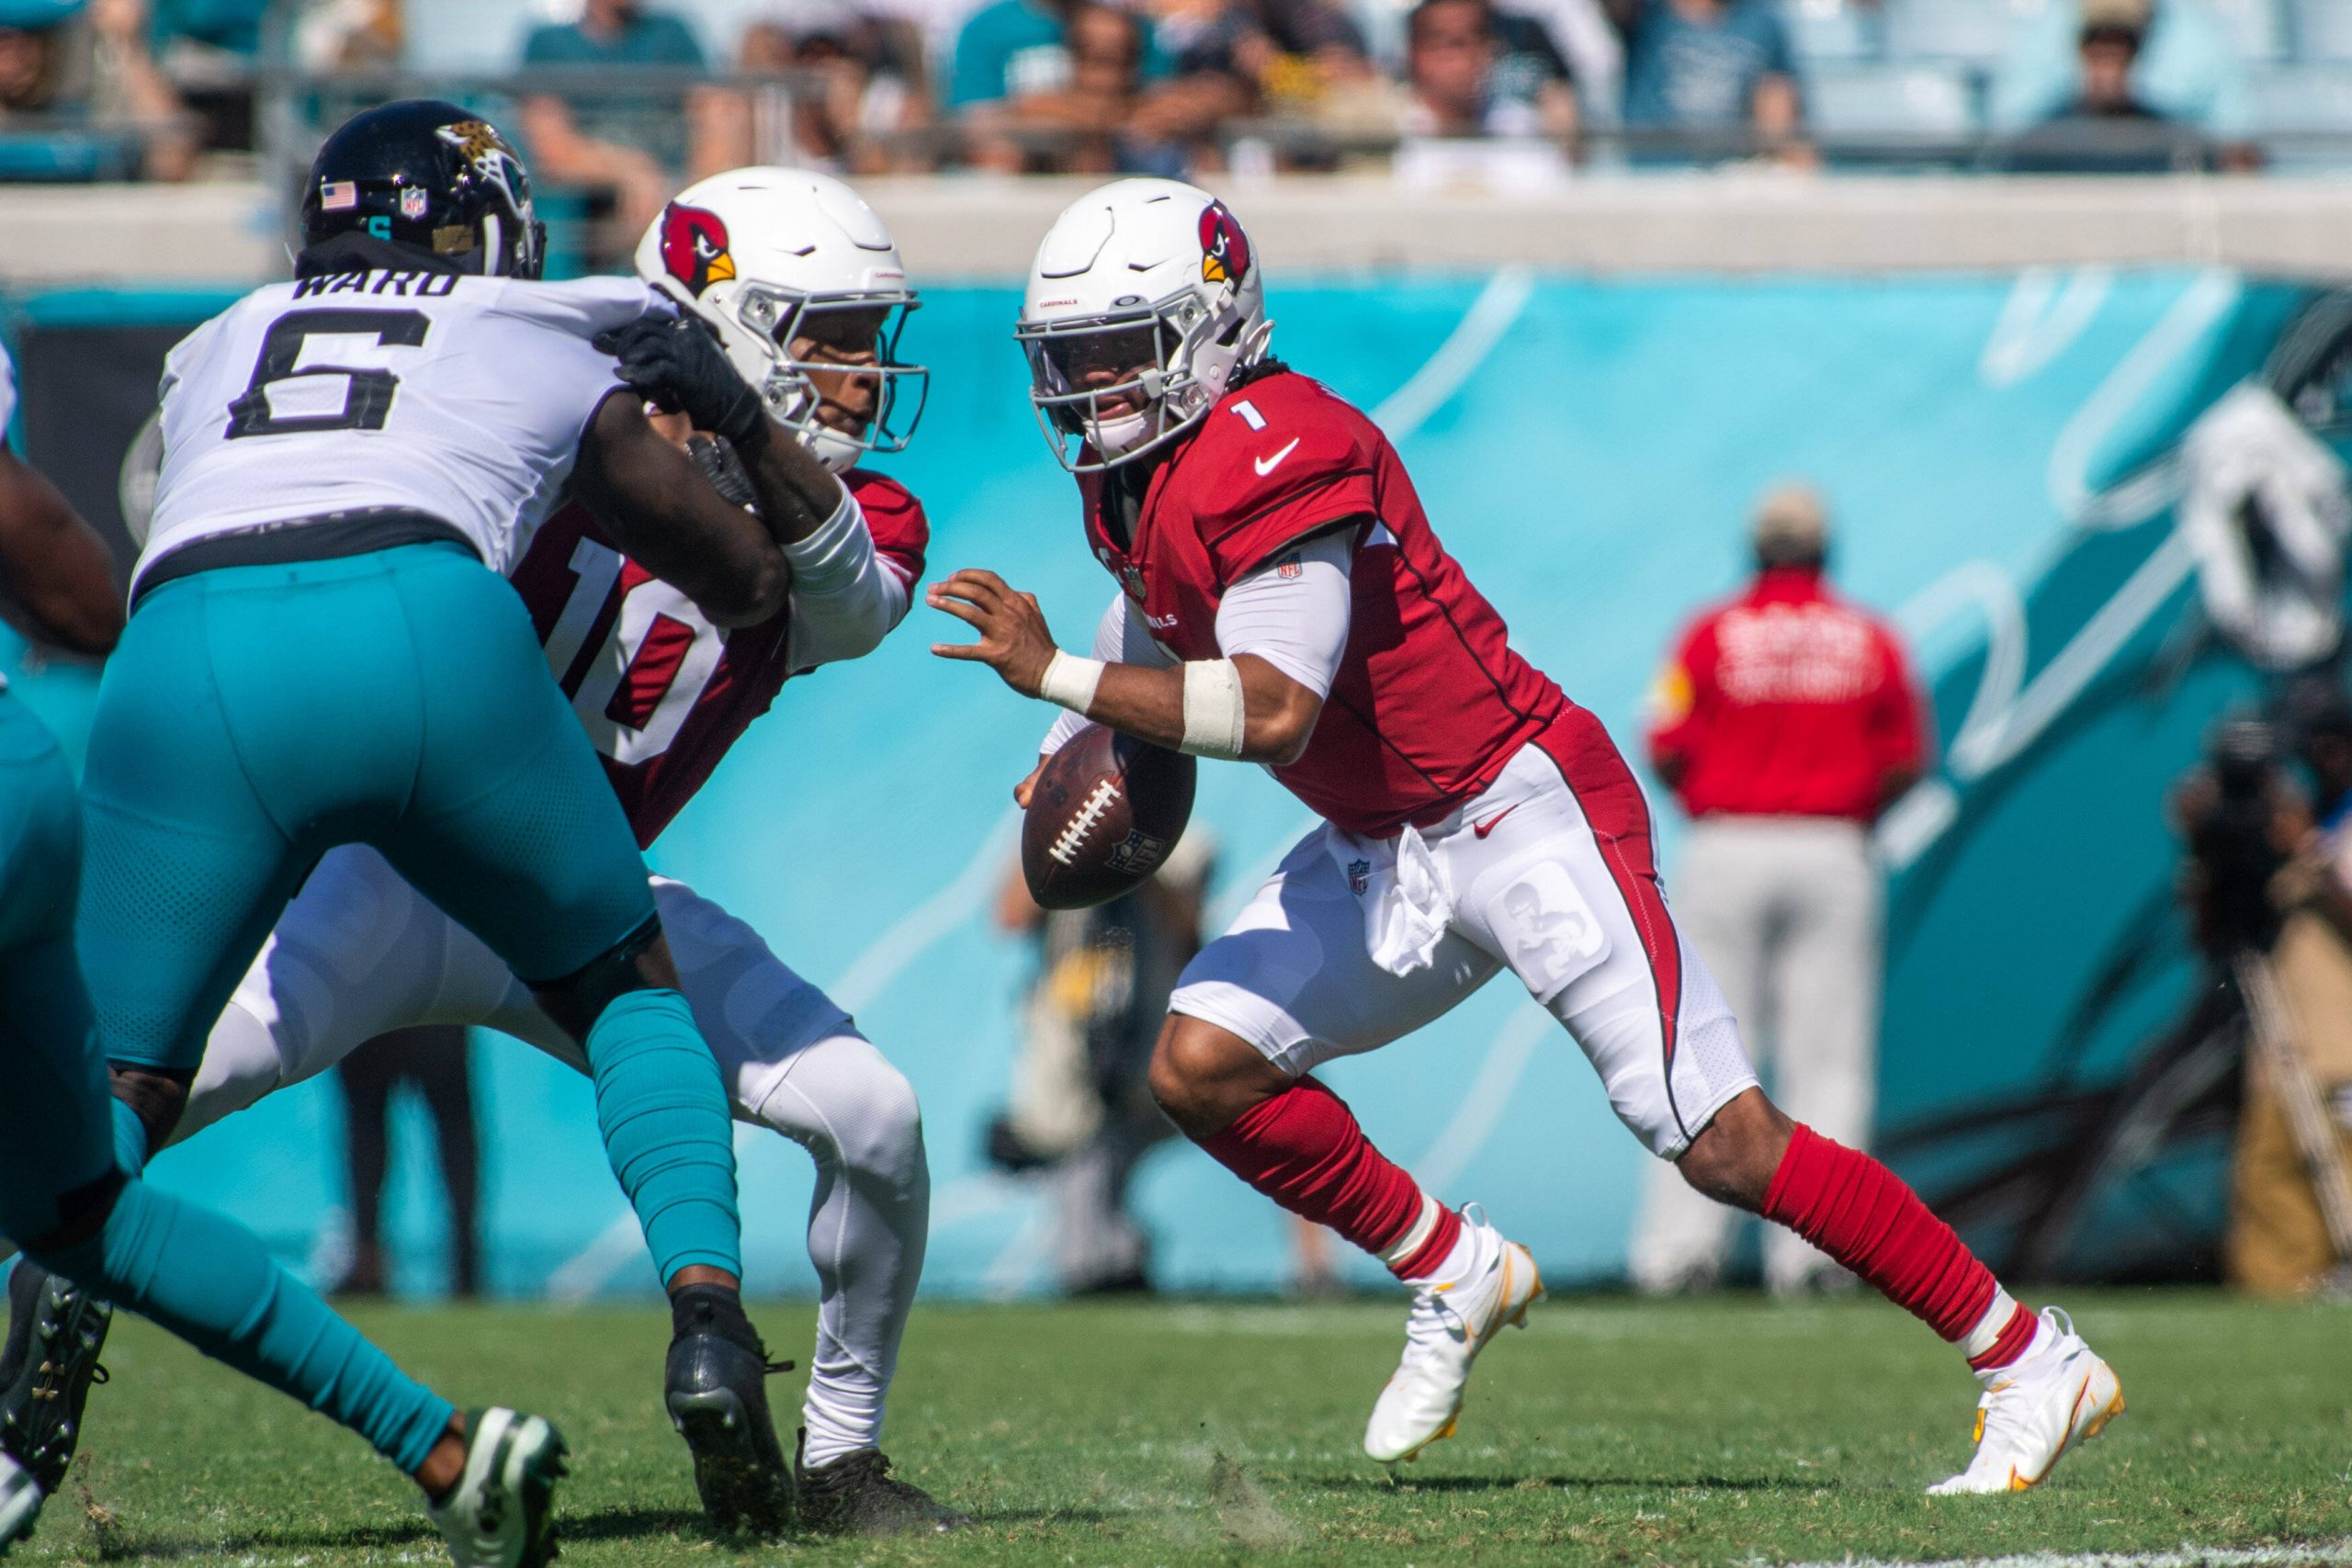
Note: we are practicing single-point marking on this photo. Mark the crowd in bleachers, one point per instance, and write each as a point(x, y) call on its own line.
point(618, 100)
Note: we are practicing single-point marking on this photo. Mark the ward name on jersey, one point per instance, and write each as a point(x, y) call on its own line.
point(1430, 699)
point(463, 398)
point(662, 692)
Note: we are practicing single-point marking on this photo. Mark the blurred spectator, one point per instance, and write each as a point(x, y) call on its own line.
point(1474, 110)
point(82, 95)
point(2107, 129)
point(349, 35)
point(1284, 59)
point(1785, 722)
point(1081, 1109)
point(1717, 74)
point(629, 148)
point(1063, 89)
point(852, 91)
point(1581, 33)
point(2186, 70)
point(207, 47)
point(430, 1058)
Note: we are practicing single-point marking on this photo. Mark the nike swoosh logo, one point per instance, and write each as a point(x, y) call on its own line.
point(1480, 829)
point(1267, 465)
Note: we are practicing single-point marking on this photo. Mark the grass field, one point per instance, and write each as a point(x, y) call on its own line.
point(1611, 1431)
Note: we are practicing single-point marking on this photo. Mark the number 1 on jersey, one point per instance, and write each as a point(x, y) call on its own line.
point(1249, 414)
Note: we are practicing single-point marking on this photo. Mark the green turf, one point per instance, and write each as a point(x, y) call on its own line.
point(1728, 1431)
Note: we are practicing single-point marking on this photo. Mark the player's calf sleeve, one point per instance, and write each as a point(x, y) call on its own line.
point(130, 1137)
point(1867, 1218)
point(1303, 1149)
point(662, 1110)
point(209, 1280)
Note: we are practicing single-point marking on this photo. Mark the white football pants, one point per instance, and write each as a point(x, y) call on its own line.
point(359, 952)
point(1790, 914)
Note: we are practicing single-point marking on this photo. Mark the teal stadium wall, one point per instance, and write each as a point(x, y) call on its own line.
point(1996, 449)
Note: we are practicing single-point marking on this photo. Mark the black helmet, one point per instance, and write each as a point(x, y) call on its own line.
point(432, 176)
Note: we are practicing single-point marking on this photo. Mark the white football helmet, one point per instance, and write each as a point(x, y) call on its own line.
point(764, 254)
point(1145, 296)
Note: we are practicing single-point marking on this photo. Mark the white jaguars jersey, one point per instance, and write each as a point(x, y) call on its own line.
point(464, 398)
point(8, 391)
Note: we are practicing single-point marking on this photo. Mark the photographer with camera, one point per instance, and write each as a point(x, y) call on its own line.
point(2270, 884)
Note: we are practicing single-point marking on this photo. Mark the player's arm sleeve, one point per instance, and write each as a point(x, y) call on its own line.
point(1293, 612)
point(1120, 638)
point(846, 596)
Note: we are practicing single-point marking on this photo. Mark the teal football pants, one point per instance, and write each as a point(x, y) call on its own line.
point(207, 1279)
point(257, 717)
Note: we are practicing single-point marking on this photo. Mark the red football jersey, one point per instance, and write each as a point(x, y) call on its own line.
point(1788, 702)
point(1430, 700)
point(662, 692)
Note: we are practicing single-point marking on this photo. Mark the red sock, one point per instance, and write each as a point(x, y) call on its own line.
point(1303, 1149)
point(1864, 1217)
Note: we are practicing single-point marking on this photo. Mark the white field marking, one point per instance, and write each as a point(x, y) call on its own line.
point(2184, 1556)
point(2043, 315)
point(1465, 348)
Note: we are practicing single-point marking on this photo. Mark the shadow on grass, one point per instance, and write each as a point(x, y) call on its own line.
point(1381, 1483)
point(114, 1544)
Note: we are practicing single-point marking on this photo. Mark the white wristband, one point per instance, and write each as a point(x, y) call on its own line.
point(1070, 681)
point(1214, 714)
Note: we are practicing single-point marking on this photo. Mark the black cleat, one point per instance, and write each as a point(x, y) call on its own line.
point(50, 1359)
point(854, 1495)
point(716, 1393)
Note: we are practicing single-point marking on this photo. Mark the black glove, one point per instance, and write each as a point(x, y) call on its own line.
point(725, 470)
point(676, 363)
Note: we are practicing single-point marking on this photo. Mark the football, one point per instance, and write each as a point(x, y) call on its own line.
point(1106, 812)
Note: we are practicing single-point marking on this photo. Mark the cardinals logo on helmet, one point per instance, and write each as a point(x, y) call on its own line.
point(1225, 249)
point(693, 247)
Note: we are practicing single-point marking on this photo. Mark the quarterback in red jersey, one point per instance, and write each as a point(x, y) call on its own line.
point(803, 286)
point(1283, 601)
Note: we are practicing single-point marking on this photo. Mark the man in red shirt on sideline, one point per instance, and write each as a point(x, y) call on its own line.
point(1283, 600)
point(1785, 721)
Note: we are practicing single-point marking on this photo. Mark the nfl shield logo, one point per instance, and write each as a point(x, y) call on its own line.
point(414, 201)
point(1359, 876)
point(1132, 578)
point(1289, 566)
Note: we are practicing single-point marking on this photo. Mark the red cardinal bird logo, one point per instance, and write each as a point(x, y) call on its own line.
point(693, 247)
point(1225, 249)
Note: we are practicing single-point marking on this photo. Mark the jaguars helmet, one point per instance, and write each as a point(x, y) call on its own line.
point(433, 177)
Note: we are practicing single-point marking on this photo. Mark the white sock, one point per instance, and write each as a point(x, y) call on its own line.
point(1416, 1236)
point(842, 1416)
point(1459, 1258)
point(1987, 1331)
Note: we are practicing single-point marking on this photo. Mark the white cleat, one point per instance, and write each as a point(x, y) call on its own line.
point(2032, 1411)
point(20, 1500)
point(503, 1513)
point(1452, 1320)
